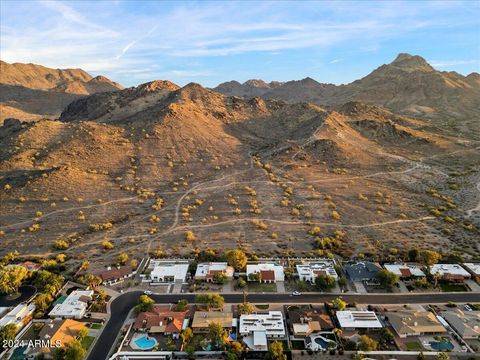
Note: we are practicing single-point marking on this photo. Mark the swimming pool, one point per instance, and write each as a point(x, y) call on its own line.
point(321, 342)
point(441, 345)
point(145, 342)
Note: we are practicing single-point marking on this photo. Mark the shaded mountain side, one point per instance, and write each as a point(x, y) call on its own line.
point(408, 86)
point(30, 92)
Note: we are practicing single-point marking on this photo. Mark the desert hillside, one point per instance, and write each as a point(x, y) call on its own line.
point(408, 86)
point(31, 92)
point(163, 168)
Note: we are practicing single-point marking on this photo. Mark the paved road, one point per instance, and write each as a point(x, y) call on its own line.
point(121, 306)
point(26, 292)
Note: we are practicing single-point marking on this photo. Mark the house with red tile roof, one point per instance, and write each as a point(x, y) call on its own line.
point(114, 275)
point(265, 272)
point(162, 320)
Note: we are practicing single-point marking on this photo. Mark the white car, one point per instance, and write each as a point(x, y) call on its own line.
point(147, 292)
point(468, 307)
point(296, 293)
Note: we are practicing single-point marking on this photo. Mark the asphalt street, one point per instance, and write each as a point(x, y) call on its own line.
point(122, 305)
point(26, 292)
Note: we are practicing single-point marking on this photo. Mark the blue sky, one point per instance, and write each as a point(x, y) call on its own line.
point(212, 42)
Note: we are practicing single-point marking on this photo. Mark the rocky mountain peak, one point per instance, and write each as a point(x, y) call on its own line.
point(411, 63)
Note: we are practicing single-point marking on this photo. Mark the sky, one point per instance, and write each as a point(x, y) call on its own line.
point(133, 42)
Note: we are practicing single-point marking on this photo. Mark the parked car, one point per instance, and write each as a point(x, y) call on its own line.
point(147, 292)
point(296, 293)
point(468, 307)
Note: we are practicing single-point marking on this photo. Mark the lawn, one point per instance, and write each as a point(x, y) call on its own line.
point(261, 287)
point(413, 345)
point(453, 287)
point(96, 326)
point(87, 341)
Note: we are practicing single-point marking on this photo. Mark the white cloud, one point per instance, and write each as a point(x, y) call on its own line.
point(334, 61)
point(447, 63)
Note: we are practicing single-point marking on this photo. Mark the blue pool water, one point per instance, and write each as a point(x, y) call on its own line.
point(145, 342)
point(321, 342)
point(441, 345)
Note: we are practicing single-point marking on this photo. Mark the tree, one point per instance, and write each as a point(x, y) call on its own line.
point(324, 282)
point(74, 350)
point(386, 335)
point(339, 304)
point(276, 351)
point(210, 300)
point(145, 303)
point(190, 236)
point(367, 343)
point(186, 336)
point(91, 280)
point(182, 305)
point(413, 255)
point(235, 350)
point(42, 301)
point(7, 333)
point(11, 278)
point(60, 245)
point(49, 282)
point(429, 258)
point(122, 258)
point(217, 334)
point(246, 308)
point(387, 278)
point(219, 278)
point(82, 333)
point(237, 259)
point(442, 356)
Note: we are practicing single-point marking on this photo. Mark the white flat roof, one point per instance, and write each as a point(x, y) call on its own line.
point(176, 270)
point(473, 267)
point(272, 323)
point(17, 314)
point(72, 306)
point(449, 269)
point(395, 268)
point(358, 319)
point(204, 268)
point(260, 338)
point(308, 268)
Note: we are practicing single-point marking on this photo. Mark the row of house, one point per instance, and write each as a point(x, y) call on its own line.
point(167, 271)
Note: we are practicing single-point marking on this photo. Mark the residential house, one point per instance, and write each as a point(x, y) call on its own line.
point(57, 332)
point(29, 265)
point(265, 272)
point(208, 271)
point(407, 322)
point(202, 319)
point(163, 271)
point(450, 272)
point(308, 271)
point(405, 271)
point(465, 323)
point(474, 269)
point(362, 270)
point(257, 329)
point(304, 320)
point(358, 319)
point(20, 315)
point(162, 320)
point(74, 306)
point(116, 275)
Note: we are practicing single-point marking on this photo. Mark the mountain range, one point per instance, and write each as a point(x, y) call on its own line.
point(31, 92)
point(143, 166)
point(408, 86)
